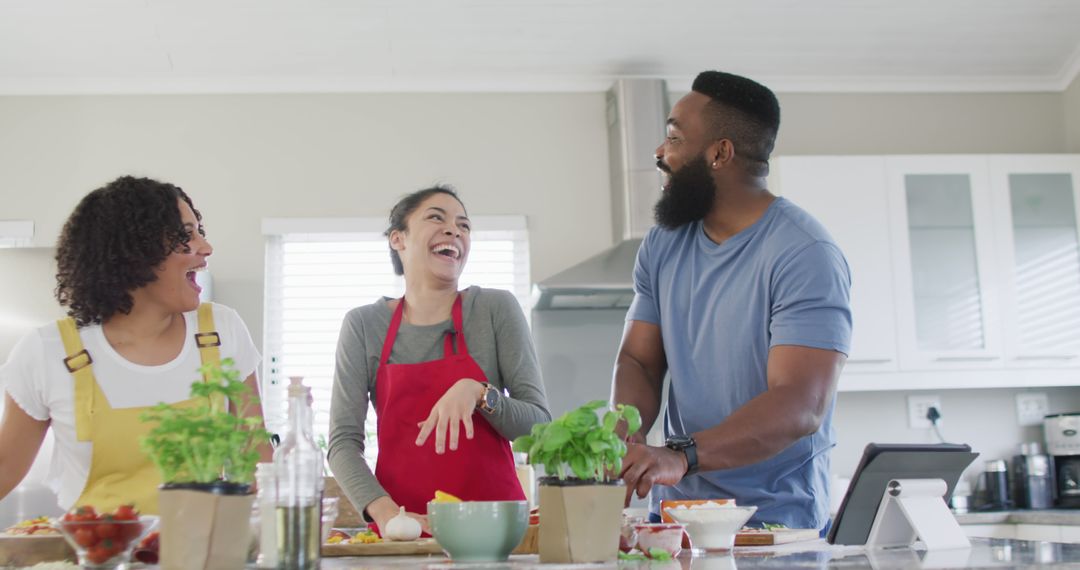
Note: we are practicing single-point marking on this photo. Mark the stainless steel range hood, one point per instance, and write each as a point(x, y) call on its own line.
point(637, 112)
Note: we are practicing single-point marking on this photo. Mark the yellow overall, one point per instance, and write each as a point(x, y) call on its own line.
point(120, 473)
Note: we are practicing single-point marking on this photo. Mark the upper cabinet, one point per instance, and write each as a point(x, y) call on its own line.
point(943, 257)
point(1035, 205)
point(965, 269)
point(847, 195)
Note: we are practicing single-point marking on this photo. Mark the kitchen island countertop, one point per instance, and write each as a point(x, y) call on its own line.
point(984, 553)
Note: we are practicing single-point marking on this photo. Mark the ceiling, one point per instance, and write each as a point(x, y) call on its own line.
point(223, 46)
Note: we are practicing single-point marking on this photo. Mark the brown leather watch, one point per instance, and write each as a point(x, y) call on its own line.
point(488, 399)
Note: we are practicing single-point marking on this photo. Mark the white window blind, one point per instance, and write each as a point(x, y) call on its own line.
point(319, 269)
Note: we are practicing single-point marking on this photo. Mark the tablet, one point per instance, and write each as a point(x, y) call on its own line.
point(883, 462)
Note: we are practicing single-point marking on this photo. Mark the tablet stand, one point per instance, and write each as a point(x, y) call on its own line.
point(915, 508)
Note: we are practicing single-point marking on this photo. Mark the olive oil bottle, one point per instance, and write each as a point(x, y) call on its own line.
point(298, 463)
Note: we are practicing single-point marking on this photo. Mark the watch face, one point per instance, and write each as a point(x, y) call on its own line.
point(679, 442)
point(491, 396)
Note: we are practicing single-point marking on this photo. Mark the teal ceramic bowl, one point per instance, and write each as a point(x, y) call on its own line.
point(478, 531)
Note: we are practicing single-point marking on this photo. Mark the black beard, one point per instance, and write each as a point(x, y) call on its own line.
point(689, 195)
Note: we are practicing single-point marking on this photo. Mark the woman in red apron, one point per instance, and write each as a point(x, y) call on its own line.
point(442, 424)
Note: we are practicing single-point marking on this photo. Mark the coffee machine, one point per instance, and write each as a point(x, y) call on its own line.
point(1063, 446)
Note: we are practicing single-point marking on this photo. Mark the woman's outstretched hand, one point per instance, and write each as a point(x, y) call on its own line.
point(453, 410)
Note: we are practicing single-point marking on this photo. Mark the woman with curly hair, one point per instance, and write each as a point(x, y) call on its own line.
point(136, 336)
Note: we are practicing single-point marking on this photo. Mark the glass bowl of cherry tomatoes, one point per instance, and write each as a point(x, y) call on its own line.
point(104, 540)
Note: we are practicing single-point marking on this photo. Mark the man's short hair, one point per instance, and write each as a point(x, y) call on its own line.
point(744, 112)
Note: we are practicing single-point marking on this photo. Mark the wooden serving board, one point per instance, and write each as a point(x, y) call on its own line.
point(420, 547)
point(530, 543)
point(425, 546)
point(774, 537)
point(27, 550)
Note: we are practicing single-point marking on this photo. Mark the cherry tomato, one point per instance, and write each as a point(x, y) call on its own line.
point(107, 528)
point(84, 537)
point(126, 513)
point(99, 553)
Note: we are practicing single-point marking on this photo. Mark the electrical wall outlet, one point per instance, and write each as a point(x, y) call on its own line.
point(918, 406)
point(1031, 407)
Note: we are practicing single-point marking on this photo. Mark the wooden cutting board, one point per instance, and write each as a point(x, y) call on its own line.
point(421, 547)
point(425, 546)
point(19, 551)
point(774, 537)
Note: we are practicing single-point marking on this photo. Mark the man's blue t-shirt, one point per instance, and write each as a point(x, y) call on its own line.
point(720, 308)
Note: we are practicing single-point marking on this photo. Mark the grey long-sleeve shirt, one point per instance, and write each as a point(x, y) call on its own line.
point(498, 340)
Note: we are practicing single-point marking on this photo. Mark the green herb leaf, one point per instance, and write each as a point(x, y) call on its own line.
point(556, 436)
point(659, 554)
point(579, 443)
point(206, 443)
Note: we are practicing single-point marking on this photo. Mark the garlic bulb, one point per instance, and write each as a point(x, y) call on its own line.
point(402, 527)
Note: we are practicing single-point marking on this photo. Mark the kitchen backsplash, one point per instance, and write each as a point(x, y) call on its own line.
point(985, 419)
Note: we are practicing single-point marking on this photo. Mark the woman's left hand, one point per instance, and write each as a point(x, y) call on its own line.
point(454, 408)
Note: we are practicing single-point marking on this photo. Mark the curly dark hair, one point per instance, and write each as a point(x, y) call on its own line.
point(113, 241)
point(404, 208)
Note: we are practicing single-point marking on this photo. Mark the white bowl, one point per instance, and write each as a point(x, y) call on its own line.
point(712, 528)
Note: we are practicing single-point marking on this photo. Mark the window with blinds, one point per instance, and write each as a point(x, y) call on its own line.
point(319, 269)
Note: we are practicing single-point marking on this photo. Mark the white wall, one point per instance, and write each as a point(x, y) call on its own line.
point(243, 158)
point(983, 419)
point(920, 123)
point(27, 279)
point(1072, 115)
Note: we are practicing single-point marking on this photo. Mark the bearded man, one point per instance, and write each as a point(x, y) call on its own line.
point(744, 298)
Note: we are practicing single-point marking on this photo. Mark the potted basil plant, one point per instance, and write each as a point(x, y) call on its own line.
point(207, 456)
point(581, 496)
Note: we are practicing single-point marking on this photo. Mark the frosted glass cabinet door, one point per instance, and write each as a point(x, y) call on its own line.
point(1035, 204)
point(943, 250)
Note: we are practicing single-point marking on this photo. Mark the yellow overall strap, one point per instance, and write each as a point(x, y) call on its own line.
point(78, 363)
point(207, 339)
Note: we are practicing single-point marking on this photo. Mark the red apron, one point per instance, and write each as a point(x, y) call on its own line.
point(481, 469)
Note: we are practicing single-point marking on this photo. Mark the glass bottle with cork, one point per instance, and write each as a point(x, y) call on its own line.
point(298, 464)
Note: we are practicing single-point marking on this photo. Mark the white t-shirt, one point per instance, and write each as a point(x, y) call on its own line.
point(38, 381)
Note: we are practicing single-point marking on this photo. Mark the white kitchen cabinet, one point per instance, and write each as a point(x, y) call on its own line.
point(1043, 532)
point(1035, 213)
point(1070, 534)
point(948, 310)
point(1024, 531)
point(965, 268)
point(1003, 530)
point(847, 194)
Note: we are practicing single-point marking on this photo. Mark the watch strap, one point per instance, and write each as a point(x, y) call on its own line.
point(691, 458)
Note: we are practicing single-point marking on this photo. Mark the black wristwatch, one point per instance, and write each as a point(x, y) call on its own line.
point(489, 399)
point(687, 445)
